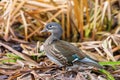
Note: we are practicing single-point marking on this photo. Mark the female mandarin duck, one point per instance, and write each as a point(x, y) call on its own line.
point(61, 52)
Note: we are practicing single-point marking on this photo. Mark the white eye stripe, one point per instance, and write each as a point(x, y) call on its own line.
point(51, 27)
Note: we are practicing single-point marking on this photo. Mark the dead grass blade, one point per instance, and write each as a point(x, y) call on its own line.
point(108, 49)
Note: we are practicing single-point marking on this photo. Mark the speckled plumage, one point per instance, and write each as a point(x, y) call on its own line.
point(61, 52)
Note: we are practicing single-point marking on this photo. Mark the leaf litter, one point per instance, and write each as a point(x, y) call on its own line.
point(20, 40)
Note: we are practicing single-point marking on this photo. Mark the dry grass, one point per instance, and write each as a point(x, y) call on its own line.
point(94, 22)
point(77, 17)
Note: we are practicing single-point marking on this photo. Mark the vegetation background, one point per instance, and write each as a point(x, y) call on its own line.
point(91, 25)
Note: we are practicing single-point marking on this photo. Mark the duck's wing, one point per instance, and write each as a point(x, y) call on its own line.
point(68, 50)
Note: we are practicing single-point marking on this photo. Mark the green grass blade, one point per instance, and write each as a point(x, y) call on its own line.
point(109, 76)
point(111, 63)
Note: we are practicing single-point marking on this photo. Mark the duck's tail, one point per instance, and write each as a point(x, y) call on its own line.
point(91, 62)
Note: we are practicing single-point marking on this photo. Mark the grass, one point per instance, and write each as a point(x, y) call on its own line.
point(93, 24)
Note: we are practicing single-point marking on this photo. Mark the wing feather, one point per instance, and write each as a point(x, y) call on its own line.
point(68, 49)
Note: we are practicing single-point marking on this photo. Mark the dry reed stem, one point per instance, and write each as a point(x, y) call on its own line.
point(78, 14)
point(81, 25)
point(109, 11)
point(17, 9)
point(54, 16)
point(87, 11)
point(68, 19)
point(63, 24)
point(25, 24)
point(95, 19)
point(48, 9)
point(7, 28)
point(9, 10)
point(104, 11)
point(39, 4)
point(36, 30)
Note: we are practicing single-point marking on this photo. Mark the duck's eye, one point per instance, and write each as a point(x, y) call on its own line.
point(50, 26)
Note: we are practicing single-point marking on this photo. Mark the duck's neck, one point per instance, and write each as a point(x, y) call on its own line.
point(52, 38)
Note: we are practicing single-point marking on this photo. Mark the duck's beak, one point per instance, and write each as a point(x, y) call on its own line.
point(44, 30)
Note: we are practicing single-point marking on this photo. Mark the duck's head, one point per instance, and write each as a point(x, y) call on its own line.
point(54, 28)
